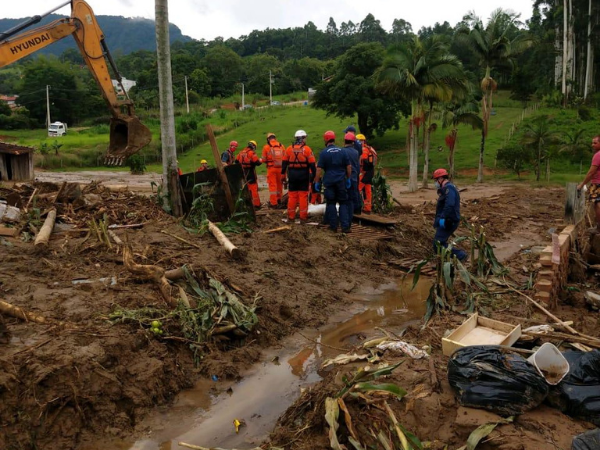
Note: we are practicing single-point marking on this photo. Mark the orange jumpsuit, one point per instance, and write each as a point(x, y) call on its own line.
point(272, 155)
point(368, 161)
point(299, 163)
point(248, 159)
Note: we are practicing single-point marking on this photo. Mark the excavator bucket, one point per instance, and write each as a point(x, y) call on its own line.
point(127, 136)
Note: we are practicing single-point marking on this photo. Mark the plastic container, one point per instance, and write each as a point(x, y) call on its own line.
point(550, 363)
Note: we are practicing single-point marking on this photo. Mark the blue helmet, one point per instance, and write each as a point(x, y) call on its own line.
point(350, 128)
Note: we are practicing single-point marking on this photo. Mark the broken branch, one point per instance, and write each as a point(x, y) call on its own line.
point(148, 272)
point(19, 313)
point(222, 239)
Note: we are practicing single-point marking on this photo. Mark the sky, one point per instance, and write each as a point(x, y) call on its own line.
point(207, 19)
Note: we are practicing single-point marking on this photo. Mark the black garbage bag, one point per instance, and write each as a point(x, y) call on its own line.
point(590, 440)
point(489, 377)
point(578, 394)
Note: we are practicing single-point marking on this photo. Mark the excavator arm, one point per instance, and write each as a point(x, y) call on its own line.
point(127, 134)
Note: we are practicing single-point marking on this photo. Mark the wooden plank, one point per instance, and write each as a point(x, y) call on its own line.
point(6, 231)
point(220, 169)
point(374, 218)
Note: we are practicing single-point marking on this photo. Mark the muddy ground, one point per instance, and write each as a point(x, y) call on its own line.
point(66, 383)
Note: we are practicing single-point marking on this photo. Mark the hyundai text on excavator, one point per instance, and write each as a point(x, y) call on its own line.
point(127, 134)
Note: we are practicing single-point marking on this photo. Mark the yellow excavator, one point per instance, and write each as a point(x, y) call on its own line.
point(127, 134)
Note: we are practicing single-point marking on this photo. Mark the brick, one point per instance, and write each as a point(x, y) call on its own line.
point(547, 250)
point(564, 240)
point(546, 260)
point(543, 297)
point(571, 230)
point(544, 286)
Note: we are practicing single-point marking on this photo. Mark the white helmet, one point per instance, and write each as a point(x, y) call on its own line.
point(300, 134)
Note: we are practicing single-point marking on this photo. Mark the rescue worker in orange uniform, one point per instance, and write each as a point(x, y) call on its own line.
point(272, 155)
point(179, 171)
point(228, 157)
point(368, 162)
point(249, 161)
point(203, 166)
point(297, 170)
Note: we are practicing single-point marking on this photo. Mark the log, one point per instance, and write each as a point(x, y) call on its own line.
point(44, 235)
point(175, 274)
point(19, 313)
point(60, 191)
point(222, 239)
point(220, 169)
point(151, 273)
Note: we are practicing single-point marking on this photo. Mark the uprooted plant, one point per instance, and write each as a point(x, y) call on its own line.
point(451, 273)
point(384, 430)
point(382, 193)
point(206, 311)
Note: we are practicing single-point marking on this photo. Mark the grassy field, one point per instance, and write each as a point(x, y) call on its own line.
point(83, 148)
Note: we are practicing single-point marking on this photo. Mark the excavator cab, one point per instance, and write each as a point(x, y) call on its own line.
point(127, 136)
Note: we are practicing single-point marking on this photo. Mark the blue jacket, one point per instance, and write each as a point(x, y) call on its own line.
point(354, 157)
point(448, 206)
point(333, 160)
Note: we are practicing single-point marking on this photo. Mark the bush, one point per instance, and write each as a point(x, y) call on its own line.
point(15, 122)
point(136, 164)
point(585, 113)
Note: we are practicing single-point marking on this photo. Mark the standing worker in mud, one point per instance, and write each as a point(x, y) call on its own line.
point(249, 161)
point(272, 156)
point(299, 166)
point(593, 175)
point(354, 202)
point(368, 162)
point(228, 157)
point(447, 212)
point(335, 162)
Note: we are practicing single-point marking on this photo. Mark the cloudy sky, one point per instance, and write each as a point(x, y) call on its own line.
point(207, 19)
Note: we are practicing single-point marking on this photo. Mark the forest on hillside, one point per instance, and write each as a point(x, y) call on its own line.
point(540, 58)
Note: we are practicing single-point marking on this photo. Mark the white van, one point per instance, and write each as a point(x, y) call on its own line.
point(57, 129)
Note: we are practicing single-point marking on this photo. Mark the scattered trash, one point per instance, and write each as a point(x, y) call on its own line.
point(477, 330)
point(550, 363)
point(215, 378)
point(590, 440)
point(106, 280)
point(593, 300)
point(578, 395)
point(9, 214)
point(495, 379)
point(539, 329)
point(403, 347)
point(237, 424)
point(345, 359)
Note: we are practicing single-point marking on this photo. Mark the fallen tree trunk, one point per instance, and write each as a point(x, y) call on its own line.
point(43, 236)
point(222, 239)
point(151, 273)
point(19, 313)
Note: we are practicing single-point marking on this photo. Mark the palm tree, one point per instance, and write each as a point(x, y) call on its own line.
point(538, 136)
point(494, 45)
point(167, 117)
point(574, 144)
point(420, 71)
point(453, 115)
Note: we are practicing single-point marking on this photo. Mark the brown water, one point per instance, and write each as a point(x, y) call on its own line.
point(204, 415)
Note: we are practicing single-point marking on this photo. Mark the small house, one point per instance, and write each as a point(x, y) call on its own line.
point(16, 162)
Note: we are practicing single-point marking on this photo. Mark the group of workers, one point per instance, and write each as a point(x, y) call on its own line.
point(345, 172)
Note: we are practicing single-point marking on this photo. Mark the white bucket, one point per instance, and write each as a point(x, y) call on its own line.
point(550, 363)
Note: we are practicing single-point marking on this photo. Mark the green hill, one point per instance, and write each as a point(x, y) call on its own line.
point(123, 35)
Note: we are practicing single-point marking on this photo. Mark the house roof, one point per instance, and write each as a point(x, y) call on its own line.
point(12, 149)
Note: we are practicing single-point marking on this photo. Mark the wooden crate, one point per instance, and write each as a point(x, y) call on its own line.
point(478, 330)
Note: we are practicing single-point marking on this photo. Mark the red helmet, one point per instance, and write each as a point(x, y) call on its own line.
point(233, 144)
point(329, 136)
point(349, 136)
point(440, 173)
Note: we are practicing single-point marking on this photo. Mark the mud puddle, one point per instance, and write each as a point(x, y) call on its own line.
point(204, 415)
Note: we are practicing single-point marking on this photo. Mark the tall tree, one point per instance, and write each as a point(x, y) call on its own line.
point(542, 139)
point(350, 92)
point(224, 68)
point(418, 72)
point(167, 116)
point(495, 47)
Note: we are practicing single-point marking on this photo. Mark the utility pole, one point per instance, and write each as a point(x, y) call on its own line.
point(243, 104)
point(171, 183)
point(270, 89)
point(48, 106)
point(187, 99)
